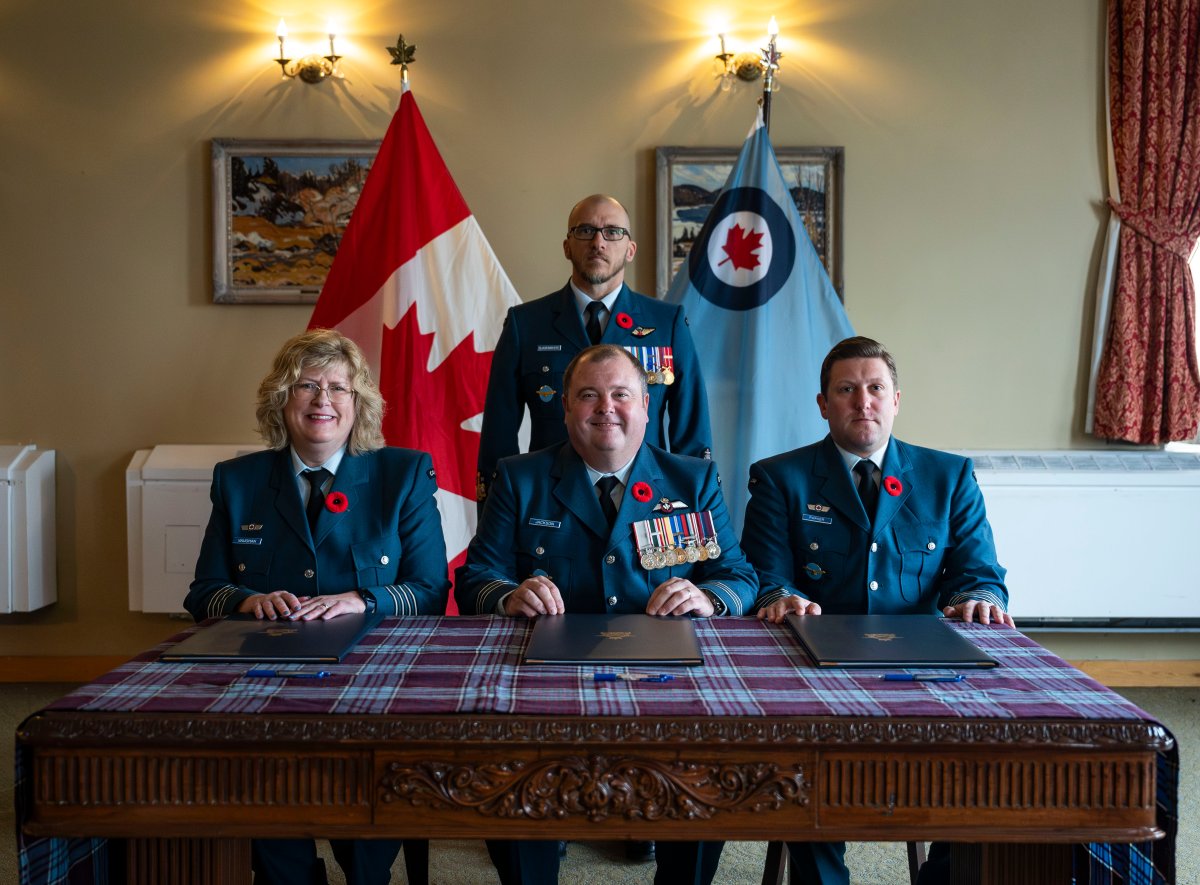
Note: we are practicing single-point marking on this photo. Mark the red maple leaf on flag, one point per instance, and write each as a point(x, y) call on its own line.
point(426, 409)
point(740, 247)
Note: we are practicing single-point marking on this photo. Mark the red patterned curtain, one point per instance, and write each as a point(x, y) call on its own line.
point(1148, 389)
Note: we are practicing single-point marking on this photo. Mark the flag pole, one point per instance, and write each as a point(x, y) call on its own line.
point(770, 64)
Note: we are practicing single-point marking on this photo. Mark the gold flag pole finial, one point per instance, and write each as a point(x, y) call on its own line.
point(402, 54)
point(770, 64)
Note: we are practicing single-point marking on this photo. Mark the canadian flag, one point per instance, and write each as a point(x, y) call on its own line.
point(417, 287)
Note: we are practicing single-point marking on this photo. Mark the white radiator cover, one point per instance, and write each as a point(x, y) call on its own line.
point(167, 508)
point(28, 557)
point(1096, 538)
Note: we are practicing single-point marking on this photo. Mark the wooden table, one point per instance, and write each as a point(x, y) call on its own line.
point(189, 787)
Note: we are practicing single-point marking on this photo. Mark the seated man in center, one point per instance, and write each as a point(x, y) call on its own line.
point(560, 533)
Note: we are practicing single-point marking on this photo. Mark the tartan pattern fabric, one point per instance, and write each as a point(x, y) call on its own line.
point(471, 665)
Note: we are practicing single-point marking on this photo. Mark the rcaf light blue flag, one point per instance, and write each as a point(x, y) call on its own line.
point(763, 314)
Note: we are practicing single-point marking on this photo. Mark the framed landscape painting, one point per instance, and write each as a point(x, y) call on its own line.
point(690, 179)
point(280, 209)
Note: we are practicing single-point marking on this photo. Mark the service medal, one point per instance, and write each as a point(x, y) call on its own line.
point(675, 538)
point(668, 376)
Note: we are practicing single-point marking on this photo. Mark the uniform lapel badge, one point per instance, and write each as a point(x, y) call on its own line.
point(642, 331)
point(659, 363)
point(814, 571)
point(666, 505)
point(545, 393)
point(820, 508)
point(481, 488)
point(676, 539)
point(252, 527)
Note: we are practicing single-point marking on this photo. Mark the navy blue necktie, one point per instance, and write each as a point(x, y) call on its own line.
point(316, 497)
point(593, 321)
point(867, 490)
point(605, 486)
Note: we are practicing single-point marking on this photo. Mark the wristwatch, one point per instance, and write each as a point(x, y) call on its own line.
point(717, 603)
point(368, 599)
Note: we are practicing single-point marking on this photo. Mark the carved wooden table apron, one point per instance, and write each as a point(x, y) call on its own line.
point(190, 788)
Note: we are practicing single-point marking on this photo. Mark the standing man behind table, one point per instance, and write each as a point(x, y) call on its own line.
point(564, 530)
point(542, 336)
point(864, 523)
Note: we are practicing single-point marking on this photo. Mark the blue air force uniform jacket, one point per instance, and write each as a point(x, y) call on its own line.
point(807, 533)
point(388, 540)
point(542, 336)
point(543, 516)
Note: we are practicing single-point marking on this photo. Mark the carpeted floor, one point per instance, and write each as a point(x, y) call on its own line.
point(603, 863)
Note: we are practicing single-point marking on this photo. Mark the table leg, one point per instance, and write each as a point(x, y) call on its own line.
point(776, 863)
point(188, 861)
point(1004, 863)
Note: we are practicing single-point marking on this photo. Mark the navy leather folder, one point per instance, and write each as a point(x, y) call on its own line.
point(886, 641)
point(613, 639)
point(244, 638)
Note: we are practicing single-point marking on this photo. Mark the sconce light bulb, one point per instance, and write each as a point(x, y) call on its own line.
point(281, 31)
point(773, 28)
point(331, 28)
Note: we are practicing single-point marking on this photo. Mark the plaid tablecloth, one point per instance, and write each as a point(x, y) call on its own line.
point(436, 665)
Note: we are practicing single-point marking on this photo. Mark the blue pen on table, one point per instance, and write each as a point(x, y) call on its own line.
point(922, 677)
point(632, 677)
point(263, 673)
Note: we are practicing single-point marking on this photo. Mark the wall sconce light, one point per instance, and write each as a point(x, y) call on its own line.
point(749, 65)
point(312, 68)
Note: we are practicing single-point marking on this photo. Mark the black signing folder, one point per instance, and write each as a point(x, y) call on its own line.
point(885, 641)
point(636, 640)
point(244, 638)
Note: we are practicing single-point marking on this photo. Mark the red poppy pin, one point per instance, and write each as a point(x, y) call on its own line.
point(892, 485)
point(642, 492)
point(336, 502)
point(624, 320)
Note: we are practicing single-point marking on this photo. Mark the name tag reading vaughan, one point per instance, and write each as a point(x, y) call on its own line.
point(613, 639)
point(676, 538)
point(658, 362)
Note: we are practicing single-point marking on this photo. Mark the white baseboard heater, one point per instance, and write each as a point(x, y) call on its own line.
point(1096, 540)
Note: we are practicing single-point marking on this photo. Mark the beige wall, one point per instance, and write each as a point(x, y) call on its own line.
point(973, 137)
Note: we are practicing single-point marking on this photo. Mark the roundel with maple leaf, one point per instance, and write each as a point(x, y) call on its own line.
point(745, 252)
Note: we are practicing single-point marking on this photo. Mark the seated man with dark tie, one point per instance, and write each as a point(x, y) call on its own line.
point(862, 523)
point(565, 530)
